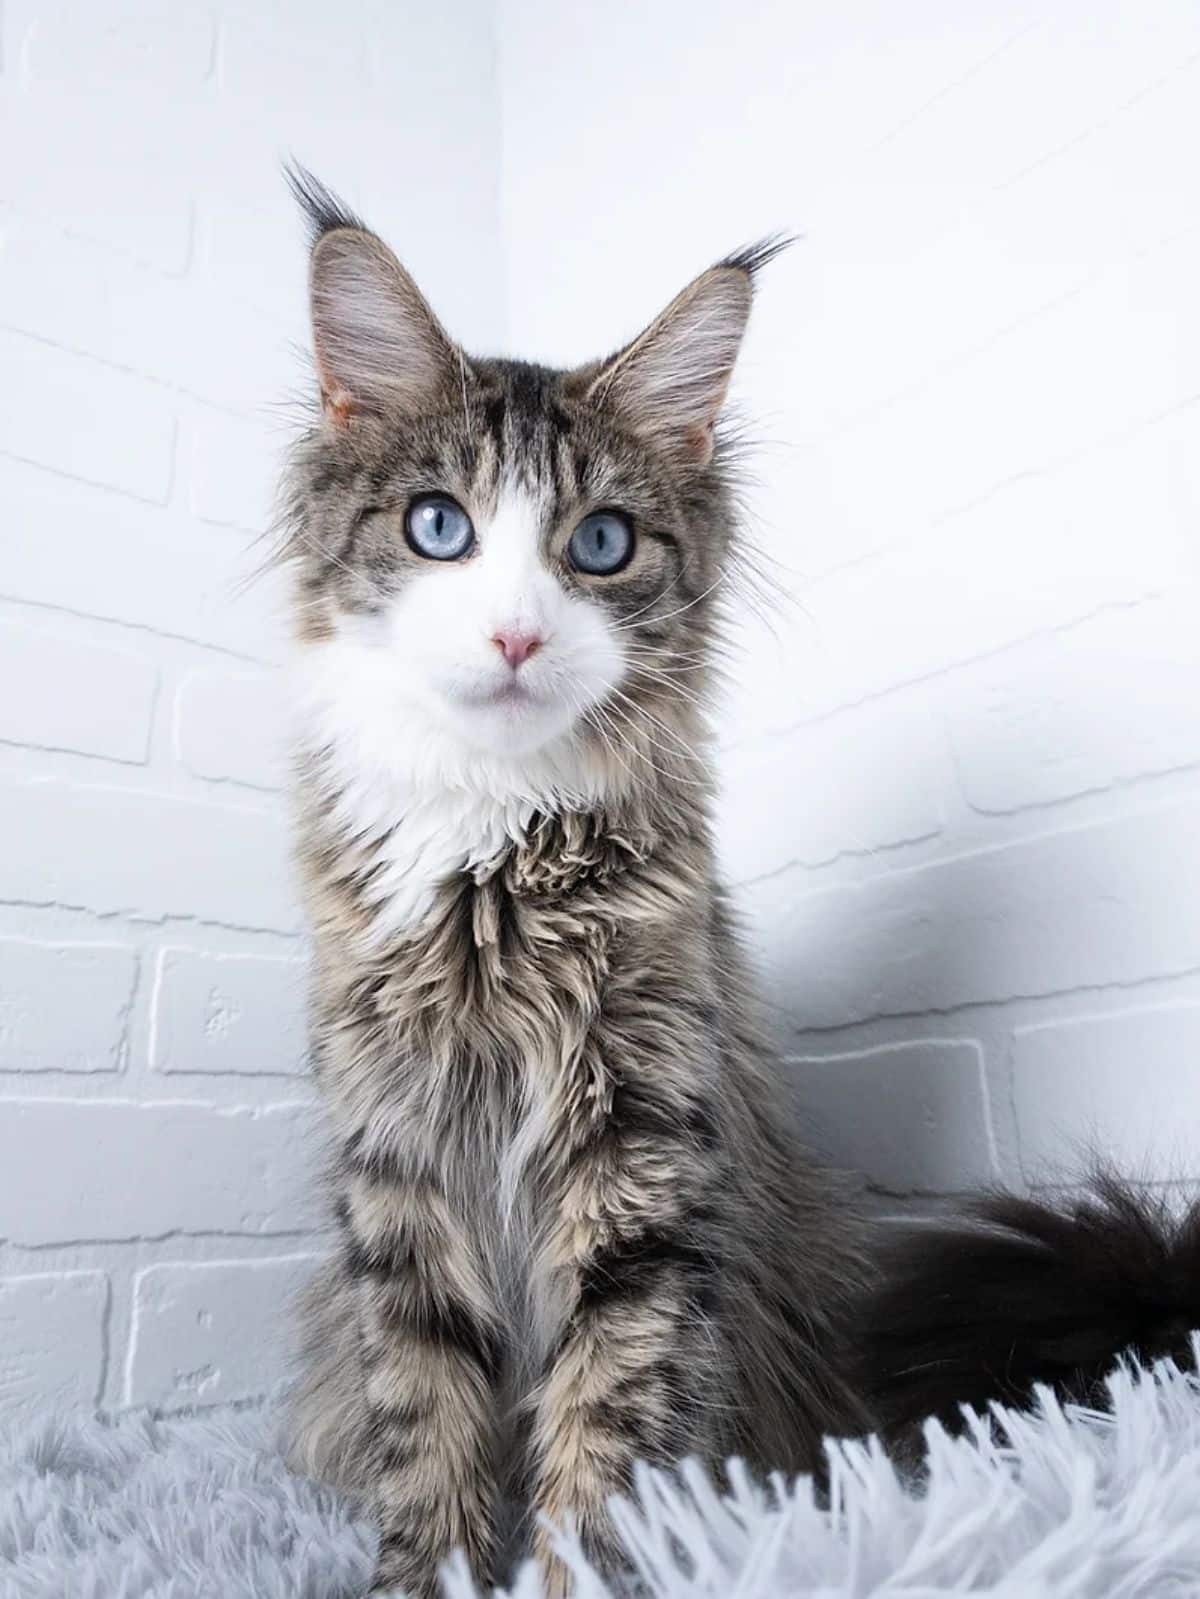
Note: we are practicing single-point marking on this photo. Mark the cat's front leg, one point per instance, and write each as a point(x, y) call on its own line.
point(431, 1352)
point(635, 1371)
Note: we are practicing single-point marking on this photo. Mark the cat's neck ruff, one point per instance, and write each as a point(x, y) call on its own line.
point(402, 787)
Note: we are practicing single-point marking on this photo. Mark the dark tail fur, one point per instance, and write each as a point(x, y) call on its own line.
point(1019, 1292)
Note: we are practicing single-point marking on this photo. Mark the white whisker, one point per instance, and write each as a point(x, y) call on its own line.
point(319, 549)
point(670, 683)
point(680, 743)
point(612, 710)
point(637, 626)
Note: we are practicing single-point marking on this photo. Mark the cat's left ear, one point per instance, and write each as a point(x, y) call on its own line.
point(671, 382)
point(378, 346)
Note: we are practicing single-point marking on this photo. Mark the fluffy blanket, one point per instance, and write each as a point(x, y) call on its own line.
point(1061, 1504)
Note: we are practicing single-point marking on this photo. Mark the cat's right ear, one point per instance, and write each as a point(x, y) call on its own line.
point(378, 346)
point(670, 383)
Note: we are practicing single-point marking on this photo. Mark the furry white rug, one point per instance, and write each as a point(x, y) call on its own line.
point(1072, 1504)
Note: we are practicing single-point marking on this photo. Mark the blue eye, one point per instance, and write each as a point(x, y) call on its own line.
point(438, 529)
point(601, 545)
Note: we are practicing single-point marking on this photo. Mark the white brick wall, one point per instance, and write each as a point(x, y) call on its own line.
point(203, 1332)
point(962, 800)
point(156, 1131)
point(962, 785)
point(65, 1007)
point(227, 1013)
point(52, 1345)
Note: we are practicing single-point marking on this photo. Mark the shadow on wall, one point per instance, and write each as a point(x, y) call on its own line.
point(1018, 985)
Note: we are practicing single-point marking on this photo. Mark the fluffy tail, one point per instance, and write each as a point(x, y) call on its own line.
point(1018, 1292)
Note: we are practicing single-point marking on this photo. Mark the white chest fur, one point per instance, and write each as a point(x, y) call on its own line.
point(405, 786)
point(432, 838)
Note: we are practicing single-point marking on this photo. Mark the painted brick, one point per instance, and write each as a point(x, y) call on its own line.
point(75, 293)
point(51, 1342)
point(73, 416)
point(228, 1013)
point(235, 467)
point(213, 1332)
point(232, 725)
point(1038, 552)
point(1109, 903)
point(70, 694)
point(156, 50)
point(369, 132)
point(144, 854)
point(911, 1117)
point(135, 1169)
point(1122, 1083)
point(64, 1007)
point(921, 314)
point(67, 546)
point(262, 54)
point(87, 157)
point(858, 782)
point(1109, 701)
point(1030, 410)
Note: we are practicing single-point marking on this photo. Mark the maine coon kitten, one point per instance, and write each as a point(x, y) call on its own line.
point(576, 1226)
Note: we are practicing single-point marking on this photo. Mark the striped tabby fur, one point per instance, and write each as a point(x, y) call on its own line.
point(576, 1225)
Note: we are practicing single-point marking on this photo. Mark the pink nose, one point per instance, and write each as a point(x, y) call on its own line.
point(515, 647)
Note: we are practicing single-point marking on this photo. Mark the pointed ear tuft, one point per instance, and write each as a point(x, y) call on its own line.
point(322, 209)
point(751, 258)
point(378, 345)
point(671, 382)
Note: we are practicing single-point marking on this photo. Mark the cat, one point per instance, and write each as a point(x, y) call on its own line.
point(577, 1225)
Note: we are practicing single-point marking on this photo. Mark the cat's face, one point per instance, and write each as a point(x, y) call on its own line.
point(506, 560)
point(498, 559)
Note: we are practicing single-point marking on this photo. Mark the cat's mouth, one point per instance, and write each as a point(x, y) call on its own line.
point(512, 694)
point(509, 716)
point(518, 711)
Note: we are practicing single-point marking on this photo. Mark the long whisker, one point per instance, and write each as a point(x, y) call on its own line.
point(462, 378)
point(599, 726)
point(638, 626)
point(677, 658)
point(586, 712)
point(612, 710)
point(654, 599)
point(665, 670)
point(680, 743)
point(618, 742)
point(672, 683)
point(319, 549)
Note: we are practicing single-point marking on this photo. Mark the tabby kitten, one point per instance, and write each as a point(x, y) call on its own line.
point(576, 1227)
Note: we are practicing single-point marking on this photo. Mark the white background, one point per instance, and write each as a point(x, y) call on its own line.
point(962, 801)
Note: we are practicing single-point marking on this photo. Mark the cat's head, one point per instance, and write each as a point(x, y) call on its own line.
point(504, 562)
